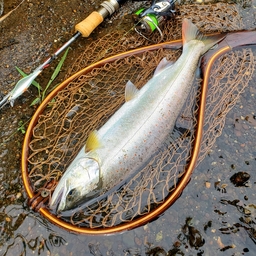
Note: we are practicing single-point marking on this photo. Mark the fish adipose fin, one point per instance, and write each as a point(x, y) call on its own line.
point(130, 91)
point(191, 32)
point(92, 142)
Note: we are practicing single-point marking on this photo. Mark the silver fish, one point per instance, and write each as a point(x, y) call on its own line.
point(137, 130)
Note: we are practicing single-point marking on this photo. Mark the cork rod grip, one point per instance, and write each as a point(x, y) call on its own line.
point(86, 26)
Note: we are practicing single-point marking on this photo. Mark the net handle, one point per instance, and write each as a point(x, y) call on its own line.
point(86, 26)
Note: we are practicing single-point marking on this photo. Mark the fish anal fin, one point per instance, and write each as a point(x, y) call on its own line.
point(92, 142)
point(130, 91)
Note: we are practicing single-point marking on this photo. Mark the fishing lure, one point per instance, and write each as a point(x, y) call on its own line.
point(84, 28)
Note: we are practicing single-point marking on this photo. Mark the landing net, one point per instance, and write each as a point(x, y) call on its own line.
point(88, 101)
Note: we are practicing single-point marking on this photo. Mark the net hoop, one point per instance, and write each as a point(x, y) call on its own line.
point(232, 40)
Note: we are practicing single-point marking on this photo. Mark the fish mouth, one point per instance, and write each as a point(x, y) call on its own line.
point(55, 200)
point(88, 199)
point(76, 202)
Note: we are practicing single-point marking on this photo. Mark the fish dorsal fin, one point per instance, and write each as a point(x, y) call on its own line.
point(164, 63)
point(92, 142)
point(130, 91)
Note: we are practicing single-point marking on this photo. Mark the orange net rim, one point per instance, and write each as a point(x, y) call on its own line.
point(226, 45)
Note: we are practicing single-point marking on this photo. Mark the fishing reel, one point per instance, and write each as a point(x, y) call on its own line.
point(149, 20)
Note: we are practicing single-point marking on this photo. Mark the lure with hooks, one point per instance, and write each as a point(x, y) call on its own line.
point(84, 28)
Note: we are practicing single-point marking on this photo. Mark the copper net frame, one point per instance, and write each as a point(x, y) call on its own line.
point(231, 41)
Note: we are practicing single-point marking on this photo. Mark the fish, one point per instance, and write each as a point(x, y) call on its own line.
point(137, 130)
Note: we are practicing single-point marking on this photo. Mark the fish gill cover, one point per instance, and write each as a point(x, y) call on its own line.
point(87, 102)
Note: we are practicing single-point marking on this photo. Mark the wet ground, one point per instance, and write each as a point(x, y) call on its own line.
point(215, 215)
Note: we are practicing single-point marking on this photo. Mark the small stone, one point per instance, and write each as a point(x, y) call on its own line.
point(177, 244)
point(205, 197)
point(233, 166)
point(145, 227)
point(138, 241)
point(159, 236)
point(238, 133)
point(245, 126)
point(221, 245)
point(18, 195)
point(247, 211)
point(207, 184)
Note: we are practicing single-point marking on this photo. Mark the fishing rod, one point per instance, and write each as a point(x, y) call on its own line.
point(84, 28)
point(147, 20)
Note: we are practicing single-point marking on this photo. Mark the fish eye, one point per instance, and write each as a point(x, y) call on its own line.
point(71, 194)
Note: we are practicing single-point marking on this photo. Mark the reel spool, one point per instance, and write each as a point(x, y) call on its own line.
point(151, 19)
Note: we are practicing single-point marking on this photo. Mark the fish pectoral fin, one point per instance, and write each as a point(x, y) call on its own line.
point(163, 64)
point(130, 91)
point(92, 142)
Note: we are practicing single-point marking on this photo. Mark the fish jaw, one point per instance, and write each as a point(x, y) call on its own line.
point(78, 181)
point(56, 197)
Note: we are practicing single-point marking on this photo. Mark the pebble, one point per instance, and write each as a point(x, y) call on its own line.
point(8, 219)
point(247, 211)
point(238, 133)
point(159, 236)
point(220, 244)
point(207, 184)
point(18, 195)
point(138, 241)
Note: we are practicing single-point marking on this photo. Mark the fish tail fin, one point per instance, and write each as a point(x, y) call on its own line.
point(191, 32)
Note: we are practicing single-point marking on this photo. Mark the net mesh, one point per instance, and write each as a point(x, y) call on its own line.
point(219, 17)
point(87, 102)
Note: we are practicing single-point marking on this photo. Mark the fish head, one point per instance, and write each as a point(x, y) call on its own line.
point(80, 183)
